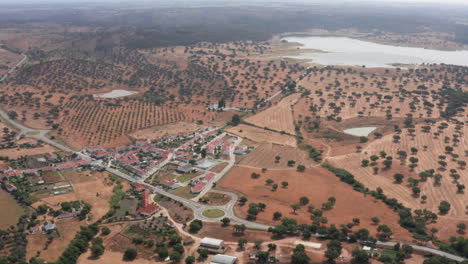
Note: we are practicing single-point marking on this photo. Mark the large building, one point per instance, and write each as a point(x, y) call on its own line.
point(213, 244)
point(223, 259)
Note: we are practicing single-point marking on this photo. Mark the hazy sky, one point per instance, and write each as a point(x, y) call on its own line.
point(442, 2)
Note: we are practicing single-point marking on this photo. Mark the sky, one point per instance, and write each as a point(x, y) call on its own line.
point(443, 2)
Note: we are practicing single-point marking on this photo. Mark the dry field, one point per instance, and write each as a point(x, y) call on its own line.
point(9, 204)
point(430, 151)
point(7, 60)
point(263, 156)
point(67, 229)
point(261, 135)
point(89, 187)
point(19, 152)
point(164, 130)
point(318, 185)
point(278, 117)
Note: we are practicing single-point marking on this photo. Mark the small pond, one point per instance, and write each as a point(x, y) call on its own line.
point(116, 94)
point(359, 131)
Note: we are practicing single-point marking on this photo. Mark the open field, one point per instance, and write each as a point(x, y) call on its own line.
point(263, 156)
point(156, 132)
point(262, 135)
point(67, 229)
point(215, 198)
point(12, 210)
point(318, 185)
point(8, 59)
point(278, 117)
point(19, 152)
point(89, 187)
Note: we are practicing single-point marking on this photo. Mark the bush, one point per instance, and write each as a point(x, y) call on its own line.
point(130, 254)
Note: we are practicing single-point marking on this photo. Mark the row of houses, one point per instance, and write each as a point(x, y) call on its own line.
point(201, 182)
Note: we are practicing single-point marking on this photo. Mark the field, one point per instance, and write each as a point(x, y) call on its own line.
point(278, 117)
point(263, 156)
point(67, 229)
point(318, 185)
point(214, 198)
point(156, 132)
point(89, 187)
point(262, 135)
point(8, 204)
point(8, 59)
point(19, 152)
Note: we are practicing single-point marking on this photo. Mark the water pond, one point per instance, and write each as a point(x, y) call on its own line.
point(355, 52)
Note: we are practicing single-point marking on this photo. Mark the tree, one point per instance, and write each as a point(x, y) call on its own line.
point(235, 120)
point(384, 232)
point(303, 200)
point(190, 260)
point(299, 256)
point(262, 256)
point(407, 250)
point(226, 221)
point(243, 200)
point(163, 253)
point(242, 242)
point(333, 250)
point(203, 253)
point(375, 220)
point(97, 249)
point(360, 256)
point(105, 231)
point(175, 256)
point(284, 184)
point(444, 207)
point(301, 168)
point(195, 226)
point(461, 227)
point(277, 215)
point(239, 228)
point(398, 178)
point(295, 207)
point(130, 254)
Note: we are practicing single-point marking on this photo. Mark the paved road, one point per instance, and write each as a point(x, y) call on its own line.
point(196, 207)
point(13, 69)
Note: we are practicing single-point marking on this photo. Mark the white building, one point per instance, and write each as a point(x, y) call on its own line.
point(223, 259)
point(212, 244)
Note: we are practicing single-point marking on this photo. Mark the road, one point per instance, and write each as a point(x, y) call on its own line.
point(13, 69)
point(197, 208)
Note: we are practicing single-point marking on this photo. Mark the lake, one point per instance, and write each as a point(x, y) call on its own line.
point(116, 94)
point(359, 131)
point(354, 52)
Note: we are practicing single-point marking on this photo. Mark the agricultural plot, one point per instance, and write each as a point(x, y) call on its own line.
point(9, 204)
point(318, 185)
point(265, 156)
point(261, 135)
point(278, 117)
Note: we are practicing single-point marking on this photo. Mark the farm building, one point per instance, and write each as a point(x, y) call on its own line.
point(213, 244)
point(69, 215)
point(50, 156)
point(169, 184)
point(10, 187)
point(48, 226)
point(187, 168)
point(223, 259)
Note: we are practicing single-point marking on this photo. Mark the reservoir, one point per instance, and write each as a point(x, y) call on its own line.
point(354, 52)
point(359, 131)
point(115, 94)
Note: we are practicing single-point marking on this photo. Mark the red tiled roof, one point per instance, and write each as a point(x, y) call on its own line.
point(148, 210)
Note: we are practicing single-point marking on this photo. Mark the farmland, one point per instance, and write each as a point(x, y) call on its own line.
point(8, 204)
point(318, 185)
point(262, 135)
point(278, 117)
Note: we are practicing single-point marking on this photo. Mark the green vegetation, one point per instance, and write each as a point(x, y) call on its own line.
point(213, 213)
